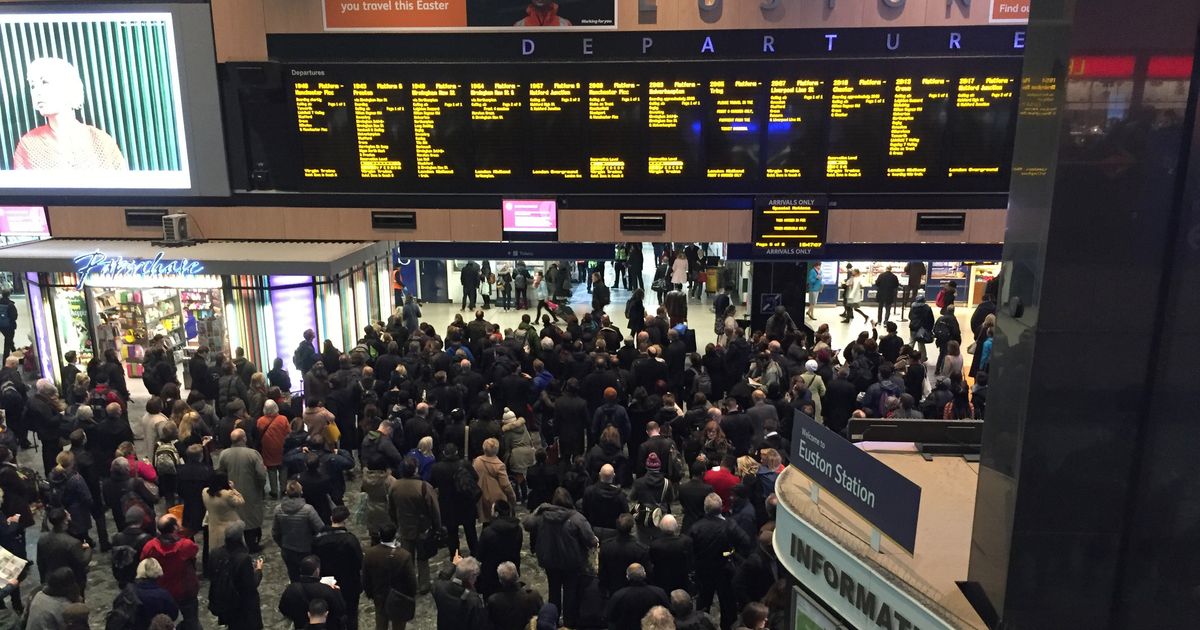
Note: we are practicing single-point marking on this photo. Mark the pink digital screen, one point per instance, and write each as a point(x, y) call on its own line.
point(530, 215)
point(23, 220)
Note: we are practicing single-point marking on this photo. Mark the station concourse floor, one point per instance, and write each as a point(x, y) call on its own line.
point(102, 588)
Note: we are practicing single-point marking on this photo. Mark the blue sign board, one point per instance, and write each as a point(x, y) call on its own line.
point(877, 493)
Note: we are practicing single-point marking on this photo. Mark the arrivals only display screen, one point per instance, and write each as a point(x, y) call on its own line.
point(96, 98)
point(912, 124)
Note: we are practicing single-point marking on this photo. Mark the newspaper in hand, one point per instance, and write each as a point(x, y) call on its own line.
point(10, 565)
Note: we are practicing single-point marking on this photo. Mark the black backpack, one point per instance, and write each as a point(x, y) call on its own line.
point(466, 483)
point(941, 330)
point(124, 610)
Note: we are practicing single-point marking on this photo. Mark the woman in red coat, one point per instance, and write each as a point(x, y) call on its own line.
point(273, 429)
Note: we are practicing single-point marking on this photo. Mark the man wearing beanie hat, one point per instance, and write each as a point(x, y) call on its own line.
point(655, 444)
point(610, 413)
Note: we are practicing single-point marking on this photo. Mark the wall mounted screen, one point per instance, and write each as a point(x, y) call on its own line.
point(109, 98)
point(904, 125)
point(530, 219)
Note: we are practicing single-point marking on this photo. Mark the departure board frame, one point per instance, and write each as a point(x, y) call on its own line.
point(677, 126)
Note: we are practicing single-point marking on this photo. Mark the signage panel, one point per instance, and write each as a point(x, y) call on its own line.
point(98, 263)
point(845, 583)
point(787, 227)
point(1009, 12)
point(879, 494)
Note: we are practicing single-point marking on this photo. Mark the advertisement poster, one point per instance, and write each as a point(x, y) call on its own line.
point(403, 15)
point(90, 101)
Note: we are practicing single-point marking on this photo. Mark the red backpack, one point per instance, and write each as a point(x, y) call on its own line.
point(940, 300)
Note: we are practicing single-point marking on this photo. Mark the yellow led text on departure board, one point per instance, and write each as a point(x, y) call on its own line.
point(849, 99)
point(667, 102)
point(611, 106)
point(789, 224)
point(548, 101)
point(371, 106)
point(430, 102)
point(981, 94)
point(314, 105)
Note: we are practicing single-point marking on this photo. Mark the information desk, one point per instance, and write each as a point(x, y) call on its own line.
point(828, 544)
point(813, 125)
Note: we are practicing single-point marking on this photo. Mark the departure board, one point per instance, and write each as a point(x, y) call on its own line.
point(897, 125)
point(789, 226)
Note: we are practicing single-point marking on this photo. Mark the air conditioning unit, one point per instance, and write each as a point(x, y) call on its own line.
point(175, 229)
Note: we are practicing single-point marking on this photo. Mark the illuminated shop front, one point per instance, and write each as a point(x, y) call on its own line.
point(92, 296)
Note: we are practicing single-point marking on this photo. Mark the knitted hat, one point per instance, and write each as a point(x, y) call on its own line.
point(652, 462)
point(508, 416)
point(811, 365)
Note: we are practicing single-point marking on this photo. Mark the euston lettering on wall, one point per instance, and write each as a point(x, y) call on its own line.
point(101, 264)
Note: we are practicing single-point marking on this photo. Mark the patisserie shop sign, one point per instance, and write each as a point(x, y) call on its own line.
point(147, 271)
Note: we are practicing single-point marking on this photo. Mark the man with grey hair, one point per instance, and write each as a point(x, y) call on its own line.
point(459, 606)
point(659, 618)
point(248, 473)
point(511, 607)
point(671, 556)
point(628, 605)
point(43, 415)
point(686, 615)
point(714, 538)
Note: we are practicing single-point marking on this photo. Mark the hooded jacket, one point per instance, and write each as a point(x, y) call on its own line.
point(603, 503)
point(564, 537)
point(375, 486)
point(296, 524)
point(76, 499)
point(518, 444)
point(177, 556)
point(272, 433)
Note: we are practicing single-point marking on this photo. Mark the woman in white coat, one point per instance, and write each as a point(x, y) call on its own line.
point(854, 297)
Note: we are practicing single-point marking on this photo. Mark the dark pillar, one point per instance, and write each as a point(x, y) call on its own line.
point(1088, 506)
point(781, 283)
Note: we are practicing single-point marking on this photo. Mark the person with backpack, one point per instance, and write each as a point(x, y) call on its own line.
point(945, 330)
point(44, 414)
point(69, 491)
point(167, 461)
point(122, 491)
point(233, 587)
point(652, 494)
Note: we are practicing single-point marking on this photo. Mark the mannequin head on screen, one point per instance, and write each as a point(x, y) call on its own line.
point(64, 142)
point(56, 89)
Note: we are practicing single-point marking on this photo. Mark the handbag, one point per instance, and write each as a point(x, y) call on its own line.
point(971, 348)
point(923, 335)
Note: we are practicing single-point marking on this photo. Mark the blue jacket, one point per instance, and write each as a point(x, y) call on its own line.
point(814, 280)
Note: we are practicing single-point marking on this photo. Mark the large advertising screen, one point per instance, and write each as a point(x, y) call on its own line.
point(97, 98)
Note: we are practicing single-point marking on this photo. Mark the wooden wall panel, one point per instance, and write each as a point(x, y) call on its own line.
point(986, 226)
point(240, 30)
point(434, 224)
point(588, 226)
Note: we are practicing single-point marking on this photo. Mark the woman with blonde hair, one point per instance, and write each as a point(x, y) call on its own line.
point(256, 395)
point(493, 479)
point(976, 349)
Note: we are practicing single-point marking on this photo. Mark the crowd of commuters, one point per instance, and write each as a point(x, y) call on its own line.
point(638, 471)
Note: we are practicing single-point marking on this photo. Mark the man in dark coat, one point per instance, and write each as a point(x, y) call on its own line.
point(604, 500)
point(713, 538)
point(233, 589)
point(470, 284)
point(758, 573)
point(618, 553)
point(57, 548)
point(920, 324)
point(841, 398)
point(628, 605)
point(671, 556)
point(500, 542)
point(459, 606)
point(514, 604)
point(886, 286)
point(691, 495)
point(341, 556)
point(293, 604)
point(202, 378)
point(390, 579)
